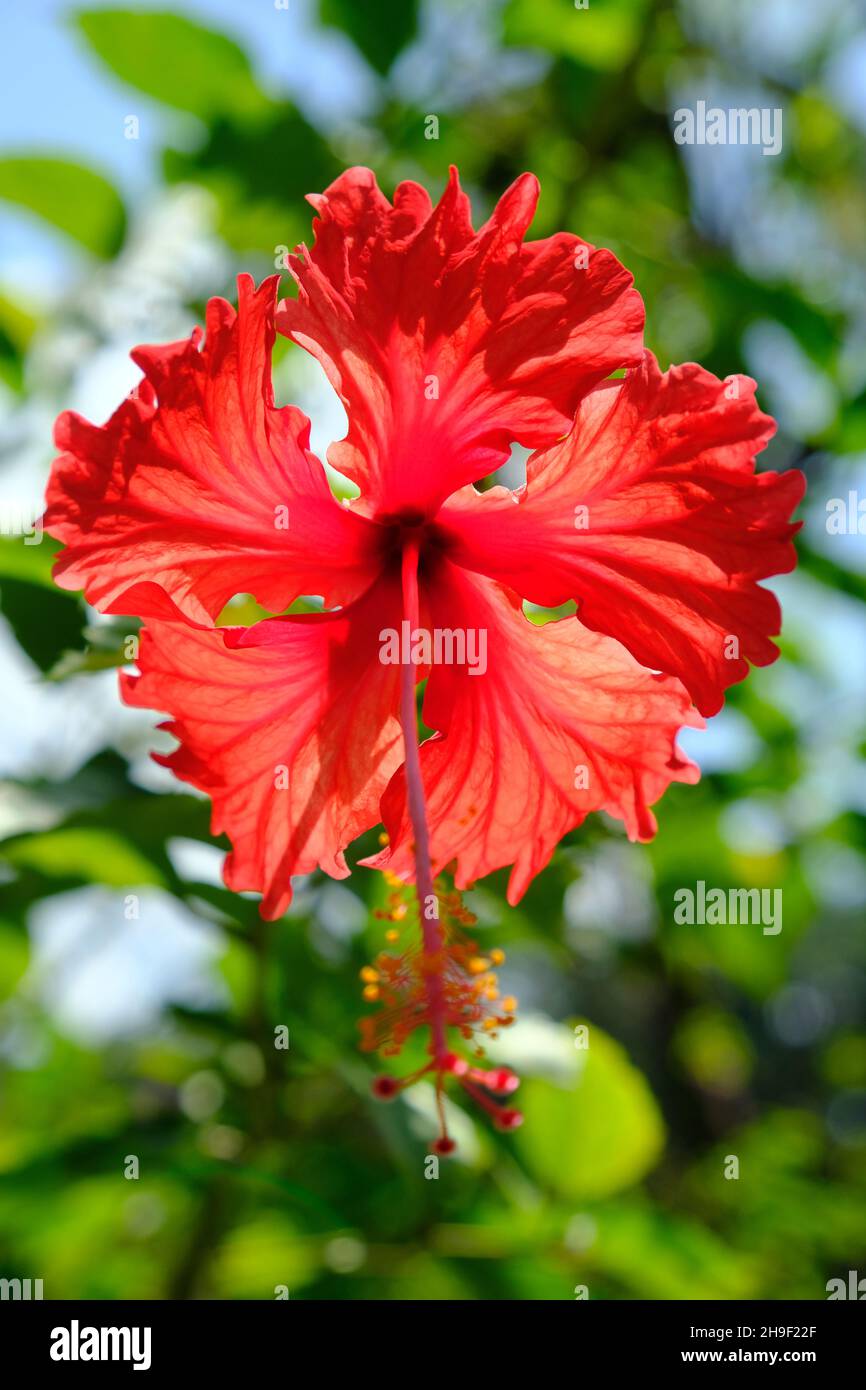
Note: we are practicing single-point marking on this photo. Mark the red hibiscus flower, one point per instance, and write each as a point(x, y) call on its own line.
point(446, 346)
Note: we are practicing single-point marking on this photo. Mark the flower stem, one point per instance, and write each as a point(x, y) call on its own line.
point(431, 930)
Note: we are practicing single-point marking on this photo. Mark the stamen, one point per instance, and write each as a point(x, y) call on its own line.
point(430, 928)
point(443, 982)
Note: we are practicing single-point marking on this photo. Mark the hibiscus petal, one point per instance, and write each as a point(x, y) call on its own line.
point(651, 516)
point(562, 722)
point(199, 485)
point(290, 726)
point(446, 345)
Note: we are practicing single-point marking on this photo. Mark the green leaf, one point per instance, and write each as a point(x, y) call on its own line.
point(26, 557)
point(257, 1257)
point(108, 646)
point(659, 1255)
point(86, 663)
point(601, 36)
point(175, 61)
point(98, 856)
point(594, 1127)
point(14, 958)
point(46, 622)
point(74, 199)
point(16, 329)
point(380, 32)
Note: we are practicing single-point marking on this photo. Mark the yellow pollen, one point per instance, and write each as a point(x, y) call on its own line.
point(371, 992)
point(477, 965)
point(509, 1003)
point(369, 975)
point(497, 957)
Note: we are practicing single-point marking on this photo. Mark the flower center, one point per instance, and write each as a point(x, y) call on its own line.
point(407, 531)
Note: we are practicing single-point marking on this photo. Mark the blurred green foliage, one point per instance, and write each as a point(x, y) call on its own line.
point(77, 200)
point(261, 1167)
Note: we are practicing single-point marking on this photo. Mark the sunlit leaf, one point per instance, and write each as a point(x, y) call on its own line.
point(600, 36)
point(258, 1257)
point(29, 556)
point(97, 856)
point(174, 60)
point(74, 199)
point(594, 1127)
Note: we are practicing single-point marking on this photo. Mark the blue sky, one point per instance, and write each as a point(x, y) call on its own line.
point(58, 98)
point(58, 95)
